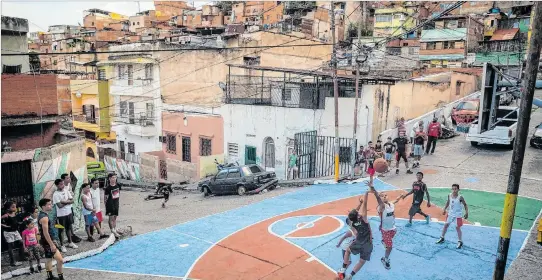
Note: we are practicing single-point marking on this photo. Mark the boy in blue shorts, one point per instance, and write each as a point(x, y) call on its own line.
point(89, 213)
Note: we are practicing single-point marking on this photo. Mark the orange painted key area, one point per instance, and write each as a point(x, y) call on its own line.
point(256, 253)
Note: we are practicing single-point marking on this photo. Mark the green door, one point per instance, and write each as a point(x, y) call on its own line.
point(250, 155)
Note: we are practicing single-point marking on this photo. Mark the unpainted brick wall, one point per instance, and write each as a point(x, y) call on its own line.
point(29, 136)
point(19, 96)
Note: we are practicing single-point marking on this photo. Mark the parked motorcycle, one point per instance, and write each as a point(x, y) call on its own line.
point(221, 166)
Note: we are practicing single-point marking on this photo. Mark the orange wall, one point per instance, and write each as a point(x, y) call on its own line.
point(197, 126)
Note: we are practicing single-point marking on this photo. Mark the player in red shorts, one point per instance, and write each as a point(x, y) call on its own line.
point(455, 215)
point(387, 222)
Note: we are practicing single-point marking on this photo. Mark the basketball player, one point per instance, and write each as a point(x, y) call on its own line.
point(363, 243)
point(345, 242)
point(387, 223)
point(455, 215)
point(419, 188)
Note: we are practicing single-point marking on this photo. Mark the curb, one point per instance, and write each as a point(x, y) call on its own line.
point(82, 255)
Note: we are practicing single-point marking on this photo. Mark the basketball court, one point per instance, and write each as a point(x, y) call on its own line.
point(294, 236)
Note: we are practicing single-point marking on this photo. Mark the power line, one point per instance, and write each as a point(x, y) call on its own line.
point(175, 49)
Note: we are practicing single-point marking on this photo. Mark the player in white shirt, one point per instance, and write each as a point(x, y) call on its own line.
point(387, 222)
point(456, 202)
point(95, 192)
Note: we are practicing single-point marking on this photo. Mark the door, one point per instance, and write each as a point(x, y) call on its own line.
point(230, 184)
point(250, 155)
point(217, 186)
point(131, 112)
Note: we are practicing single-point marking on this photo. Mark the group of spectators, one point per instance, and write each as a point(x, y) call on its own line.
point(38, 234)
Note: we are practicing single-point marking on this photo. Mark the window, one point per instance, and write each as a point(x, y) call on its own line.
point(394, 51)
point(383, 18)
point(131, 113)
point(148, 71)
point(234, 173)
point(411, 50)
point(405, 44)
point(138, 23)
point(222, 174)
point(251, 60)
point(458, 87)
point(250, 155)
point(233, 150)
point(90, 113)
point(133, 23)
point(121, 146)
point(150, 114)
point(171, 144)
point(11, 69)
point(123, 108)
point(130, 75)
point(92, 23)
point(287, 94)
point(121, 72)
point(255, 169)
point(101, 75)
point(269, 152)
point(131, 148)
point(90, 135)
point(204, 147)
point(431, 46)
point(449, 45)
point(186, 148)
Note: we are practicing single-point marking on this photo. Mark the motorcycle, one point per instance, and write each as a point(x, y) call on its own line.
point(221, 166)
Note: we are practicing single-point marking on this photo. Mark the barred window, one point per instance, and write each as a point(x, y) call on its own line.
point(186, 149)
point(205, 147)
point(171, 144)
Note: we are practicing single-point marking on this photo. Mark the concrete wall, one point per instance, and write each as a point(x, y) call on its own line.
point(14, 40)
point(410, 99)
point(281, 124)
point(149, 167)
point(180, 171)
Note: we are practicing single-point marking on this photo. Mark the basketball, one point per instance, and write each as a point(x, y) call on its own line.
point(380, 165)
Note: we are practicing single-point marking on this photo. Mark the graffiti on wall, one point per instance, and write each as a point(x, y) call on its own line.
point(125, 169)
point(45, 172)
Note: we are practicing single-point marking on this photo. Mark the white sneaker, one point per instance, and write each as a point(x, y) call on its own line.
point(348, 277)
point(63, 249)
point(73, 246)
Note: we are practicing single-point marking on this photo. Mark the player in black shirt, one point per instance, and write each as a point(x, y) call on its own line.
point(111, 199)
point(401, 143)
point(419, 188)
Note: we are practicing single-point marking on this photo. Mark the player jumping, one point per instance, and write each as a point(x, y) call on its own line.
point(363, 243)
point(455, 215)
point(387, 223)
point(419, 188)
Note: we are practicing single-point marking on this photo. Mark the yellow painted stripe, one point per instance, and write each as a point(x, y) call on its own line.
point(508, 214)
point(336, 167)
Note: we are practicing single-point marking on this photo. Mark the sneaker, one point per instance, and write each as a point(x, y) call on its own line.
point(90, 239)
point(408, 225)
point(73, 246)
point(63, 249)
point(16, 264)
point(348, 277)
point(104, 236)
point(409, 172)
point(340, 273)
point(385, 263)
point(427, 219)
point(440, 240)
point(459, 244)
point(39, 268)
point(76, 239)
point(396, 171)
point(32, 270)
point(163, 205)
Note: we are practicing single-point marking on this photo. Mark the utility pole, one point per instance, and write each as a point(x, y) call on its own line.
point(533, 57)
point(357, 95)
point(335, 90)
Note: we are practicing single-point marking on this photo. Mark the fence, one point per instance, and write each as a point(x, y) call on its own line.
point(444, 111)
point(316, 155)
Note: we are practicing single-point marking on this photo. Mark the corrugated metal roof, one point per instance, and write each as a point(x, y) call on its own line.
point(434, 35)
point(442, 57)
point(444, 77)
point(504, 34)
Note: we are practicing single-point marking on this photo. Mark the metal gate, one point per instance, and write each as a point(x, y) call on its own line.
point(316, 155)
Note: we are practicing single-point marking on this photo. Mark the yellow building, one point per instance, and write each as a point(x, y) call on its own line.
point(90, 109)
point(393, 20)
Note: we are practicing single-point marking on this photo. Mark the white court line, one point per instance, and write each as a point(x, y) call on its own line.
point(191, 236)
point(285, 213)
point(483, 191)
point(304, 226)
point(128, 273)
point(341, 225)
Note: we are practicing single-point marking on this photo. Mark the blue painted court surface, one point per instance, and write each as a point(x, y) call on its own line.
point(173, 251)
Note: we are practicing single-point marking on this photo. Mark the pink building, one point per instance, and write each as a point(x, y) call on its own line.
point(191, 143)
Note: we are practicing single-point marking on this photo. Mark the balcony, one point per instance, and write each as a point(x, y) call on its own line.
point(89, 124)
point(136, 87)
point(141, 126)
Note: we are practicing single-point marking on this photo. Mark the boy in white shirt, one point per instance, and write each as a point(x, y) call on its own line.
point(63, 201)
point(95, 192)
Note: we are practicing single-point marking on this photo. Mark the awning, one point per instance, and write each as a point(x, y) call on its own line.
point(442, 57)
point(504, 34)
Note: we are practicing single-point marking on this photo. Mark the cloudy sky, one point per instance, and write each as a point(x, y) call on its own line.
point(41, 14)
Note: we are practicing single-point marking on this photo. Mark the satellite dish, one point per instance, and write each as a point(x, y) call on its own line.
point(78, 94)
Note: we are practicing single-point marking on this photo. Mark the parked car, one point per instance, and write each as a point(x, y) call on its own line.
point(465, 111)
point(96, 169)
point(238, 179)
point(536, 139)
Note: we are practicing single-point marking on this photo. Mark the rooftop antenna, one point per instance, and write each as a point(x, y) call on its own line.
point(138, 7)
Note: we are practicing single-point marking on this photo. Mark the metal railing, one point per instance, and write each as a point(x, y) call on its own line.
point(84, 118)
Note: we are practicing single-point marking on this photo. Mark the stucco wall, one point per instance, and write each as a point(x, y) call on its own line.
point(15, 44)
point(149, 167)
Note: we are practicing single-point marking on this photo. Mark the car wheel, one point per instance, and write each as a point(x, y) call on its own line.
point(206, 191)
point(241, 190)
point(473, 143)
point(512, 144)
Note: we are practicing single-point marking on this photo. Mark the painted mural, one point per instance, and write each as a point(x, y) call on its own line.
point(125, 169)
point(46, 169)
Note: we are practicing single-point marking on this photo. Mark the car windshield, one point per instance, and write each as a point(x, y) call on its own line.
point(253, 169)
point(471, 106)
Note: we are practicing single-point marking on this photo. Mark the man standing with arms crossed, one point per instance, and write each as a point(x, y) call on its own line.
point(434, 130)
point(67, 180)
